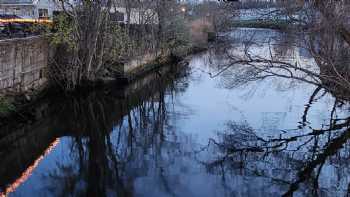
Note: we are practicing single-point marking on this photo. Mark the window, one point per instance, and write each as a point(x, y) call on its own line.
point(17, 11)
point(43, 13)
point(117, 16)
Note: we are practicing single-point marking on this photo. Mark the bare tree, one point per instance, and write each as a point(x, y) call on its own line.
point(89, 23)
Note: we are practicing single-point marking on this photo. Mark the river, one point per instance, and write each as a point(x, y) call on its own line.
point(184, 132)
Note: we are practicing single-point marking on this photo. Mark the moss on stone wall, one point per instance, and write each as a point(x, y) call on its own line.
point(6, 106)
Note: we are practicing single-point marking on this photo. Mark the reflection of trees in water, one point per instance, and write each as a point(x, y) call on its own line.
point(113, 139)
point(318, 56)
point(244, 58)
point(307, 161)
point(297, 161)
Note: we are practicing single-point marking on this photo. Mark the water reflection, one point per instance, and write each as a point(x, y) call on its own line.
point(309, 159)
point(108, 131)
point(184, 132)
point(309, 163)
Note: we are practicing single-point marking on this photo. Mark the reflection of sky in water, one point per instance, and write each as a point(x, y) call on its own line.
point(269, 106)
point(36, 184)
point(202, 110)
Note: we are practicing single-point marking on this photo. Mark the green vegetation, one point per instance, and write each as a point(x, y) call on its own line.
point(63, 32)
point(6, 106)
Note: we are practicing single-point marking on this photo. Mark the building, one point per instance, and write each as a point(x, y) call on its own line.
point(33, 9)
point(46, 9)
point(134, 12)
point(134, 15)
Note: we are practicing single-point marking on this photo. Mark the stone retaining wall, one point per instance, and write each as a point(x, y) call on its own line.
point(23, 64)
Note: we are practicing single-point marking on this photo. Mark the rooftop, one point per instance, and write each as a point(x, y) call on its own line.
point(9, 2)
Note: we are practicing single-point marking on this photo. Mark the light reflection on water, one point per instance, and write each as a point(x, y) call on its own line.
point(153, 140)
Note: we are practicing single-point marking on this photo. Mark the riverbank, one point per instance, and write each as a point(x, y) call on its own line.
point(266, 24)
point(26, 73)
point(24, 109)
point(18, 106)
point(144, 68)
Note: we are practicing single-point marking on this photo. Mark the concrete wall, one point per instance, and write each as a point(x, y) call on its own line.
point(23, 64)
point(139, 62)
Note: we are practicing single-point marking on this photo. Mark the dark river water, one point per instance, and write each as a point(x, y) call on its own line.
point(183, 132)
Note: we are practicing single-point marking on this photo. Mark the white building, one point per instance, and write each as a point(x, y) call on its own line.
point(134, 16)
point(34, 9)
point(46, 9)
